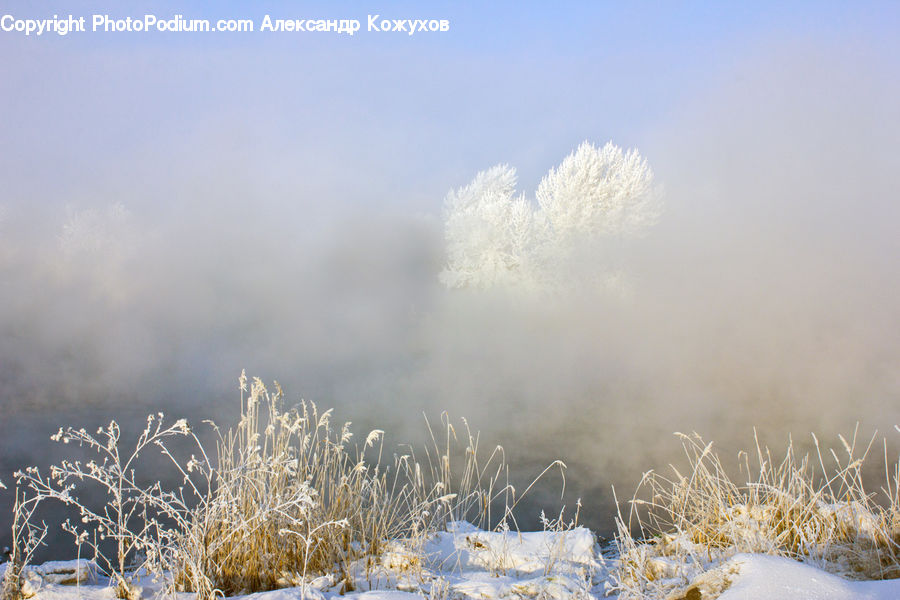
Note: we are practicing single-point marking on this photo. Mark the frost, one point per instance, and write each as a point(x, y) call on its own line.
point(497, 238)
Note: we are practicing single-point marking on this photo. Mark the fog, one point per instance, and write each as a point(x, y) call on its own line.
point(766, 296)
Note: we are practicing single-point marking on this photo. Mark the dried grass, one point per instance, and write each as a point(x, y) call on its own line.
point(287, 496)
point(810, 508)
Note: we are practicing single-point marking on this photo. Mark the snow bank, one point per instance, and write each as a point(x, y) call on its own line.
point(468, 563)
point(466, 547)
point(778, 578)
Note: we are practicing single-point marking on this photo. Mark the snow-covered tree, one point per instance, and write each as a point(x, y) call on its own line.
point(94, 233)
point(488, 231)
point(494, 237)
point(599, 191)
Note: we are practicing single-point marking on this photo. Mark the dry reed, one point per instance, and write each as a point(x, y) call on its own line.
point(810, 508)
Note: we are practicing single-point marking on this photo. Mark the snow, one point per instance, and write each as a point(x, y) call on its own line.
point(775, 577)
point(61, 579)
point(500, 552)
point(466, 562)
point(384, 595)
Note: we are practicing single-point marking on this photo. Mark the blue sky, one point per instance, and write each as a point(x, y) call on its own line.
point(511, 82)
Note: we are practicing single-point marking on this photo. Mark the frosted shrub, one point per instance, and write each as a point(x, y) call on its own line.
point(497, 238)
point(134, 516)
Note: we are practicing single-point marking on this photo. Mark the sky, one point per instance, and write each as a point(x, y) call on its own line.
point(176, 207)
point(517, 83)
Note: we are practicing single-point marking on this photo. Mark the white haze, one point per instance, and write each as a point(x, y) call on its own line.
point(766, 296)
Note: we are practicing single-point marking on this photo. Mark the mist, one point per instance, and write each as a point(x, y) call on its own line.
point(765, 297)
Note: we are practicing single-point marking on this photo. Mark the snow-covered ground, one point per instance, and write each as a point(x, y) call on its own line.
point(465, 562)
point(774, 577)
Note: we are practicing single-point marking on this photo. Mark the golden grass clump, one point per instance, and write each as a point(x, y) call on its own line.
point(815, 509)
point(291, 496)
point(287, 497)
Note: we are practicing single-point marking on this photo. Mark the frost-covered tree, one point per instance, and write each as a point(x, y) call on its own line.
point(98, 246)
point(488, 231)
point(599, 191)
point(93, 233)
point(494, 237)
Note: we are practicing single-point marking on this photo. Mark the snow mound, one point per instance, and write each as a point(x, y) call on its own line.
point(466, 547)
point(467, 562)
point(779, 578)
